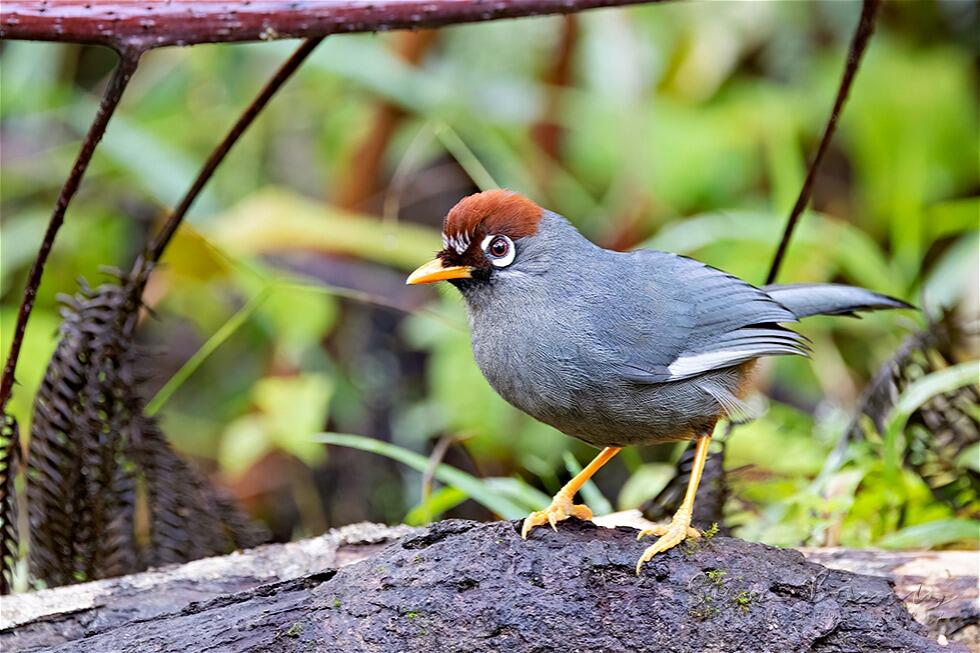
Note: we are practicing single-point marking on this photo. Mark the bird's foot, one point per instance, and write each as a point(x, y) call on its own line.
point(672, 534)
point(561, 508)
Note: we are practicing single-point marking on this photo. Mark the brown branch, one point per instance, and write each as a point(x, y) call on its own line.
point(155, 249)
point(110, 100)
point(154, 24)
point(862, 34)
point(548, 132)
point(362, 179)
point(435, 459)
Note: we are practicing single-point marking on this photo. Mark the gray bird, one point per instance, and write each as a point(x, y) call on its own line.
point(615, 348)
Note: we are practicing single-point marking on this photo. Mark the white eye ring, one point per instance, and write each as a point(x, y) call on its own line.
point(499, 260)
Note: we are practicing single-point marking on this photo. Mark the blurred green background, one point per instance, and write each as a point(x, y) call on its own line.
point(280, 312)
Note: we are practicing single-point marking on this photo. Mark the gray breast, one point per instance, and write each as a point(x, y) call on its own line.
point(535, 340)
point(566, 386)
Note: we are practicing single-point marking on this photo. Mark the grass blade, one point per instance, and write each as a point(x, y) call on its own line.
point(465, 157)
point(209, 347)
point(475, 488)
point(528, 496)
point(933, 534)
point(432, 508)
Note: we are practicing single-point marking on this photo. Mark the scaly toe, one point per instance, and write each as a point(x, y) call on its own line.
point(533, 520)
point(670, 536)
point(559, 510)
point(662, 529)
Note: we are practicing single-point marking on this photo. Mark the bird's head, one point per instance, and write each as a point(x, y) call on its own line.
point(483, 236)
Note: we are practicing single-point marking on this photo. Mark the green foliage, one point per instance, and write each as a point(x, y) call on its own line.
point(933, 534)
point(917, 394)
point(643, 484)
point(287, 410)
point(478, 490)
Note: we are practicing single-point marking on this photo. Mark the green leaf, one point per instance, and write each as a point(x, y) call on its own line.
point(644, 484)
point(950, 278)
point(969, 458)
point(289, 408)
point(443, 499)
point(446, 498)
point(297, 318)
point(933, 534)
point(591, 494)
point(244, 442)
point(475, 488)
point(275, 220)
point(293, 407)
point(518, 490)
point(915, 396)
point(953, 217)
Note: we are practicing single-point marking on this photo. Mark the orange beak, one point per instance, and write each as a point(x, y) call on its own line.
point(435, 271)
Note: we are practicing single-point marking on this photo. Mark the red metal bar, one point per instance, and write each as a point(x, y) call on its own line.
point(157, 23)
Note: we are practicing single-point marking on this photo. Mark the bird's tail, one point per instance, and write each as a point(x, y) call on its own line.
point(806, 299)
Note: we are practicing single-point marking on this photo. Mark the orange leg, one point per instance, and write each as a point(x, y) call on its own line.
point(561, 507)
point(679, 528)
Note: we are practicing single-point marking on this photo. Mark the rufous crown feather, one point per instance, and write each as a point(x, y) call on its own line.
point(500, 212)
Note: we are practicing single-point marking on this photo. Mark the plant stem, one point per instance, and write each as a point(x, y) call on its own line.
point(155, 249)
point(110, 100)
point(859, 42)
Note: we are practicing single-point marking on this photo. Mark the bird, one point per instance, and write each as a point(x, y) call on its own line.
point(616, 348)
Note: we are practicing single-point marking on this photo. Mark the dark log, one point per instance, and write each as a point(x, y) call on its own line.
point(939, 588)
point(33, 621)
point(467, 586)
point(153, 24)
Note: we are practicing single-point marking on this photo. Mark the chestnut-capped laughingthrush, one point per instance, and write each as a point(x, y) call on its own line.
point(615, 348)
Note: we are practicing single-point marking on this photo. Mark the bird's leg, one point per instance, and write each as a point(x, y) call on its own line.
point(561, 507)
point(679, 528)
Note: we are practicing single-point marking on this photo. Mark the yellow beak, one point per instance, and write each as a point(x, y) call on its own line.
point(435, 271)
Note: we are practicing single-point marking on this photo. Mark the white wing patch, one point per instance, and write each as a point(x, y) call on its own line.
point(686, 366)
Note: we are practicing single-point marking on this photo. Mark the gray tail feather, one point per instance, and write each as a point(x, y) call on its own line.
point(806, 299)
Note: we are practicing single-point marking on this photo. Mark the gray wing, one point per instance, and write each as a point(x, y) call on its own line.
point(687, 318)
point(806, 299)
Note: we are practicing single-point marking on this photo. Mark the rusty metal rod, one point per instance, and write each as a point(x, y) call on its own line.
point(157, 23)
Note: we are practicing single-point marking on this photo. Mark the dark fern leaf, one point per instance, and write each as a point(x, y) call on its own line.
point(189, 517)
point(97, 463)
point(55, 479)
point(943, 428)
point(120, 543)
point(9, 456)
point(244, 532)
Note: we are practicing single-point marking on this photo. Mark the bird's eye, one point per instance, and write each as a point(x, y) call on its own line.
point(500, 250)
point(499, 247)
